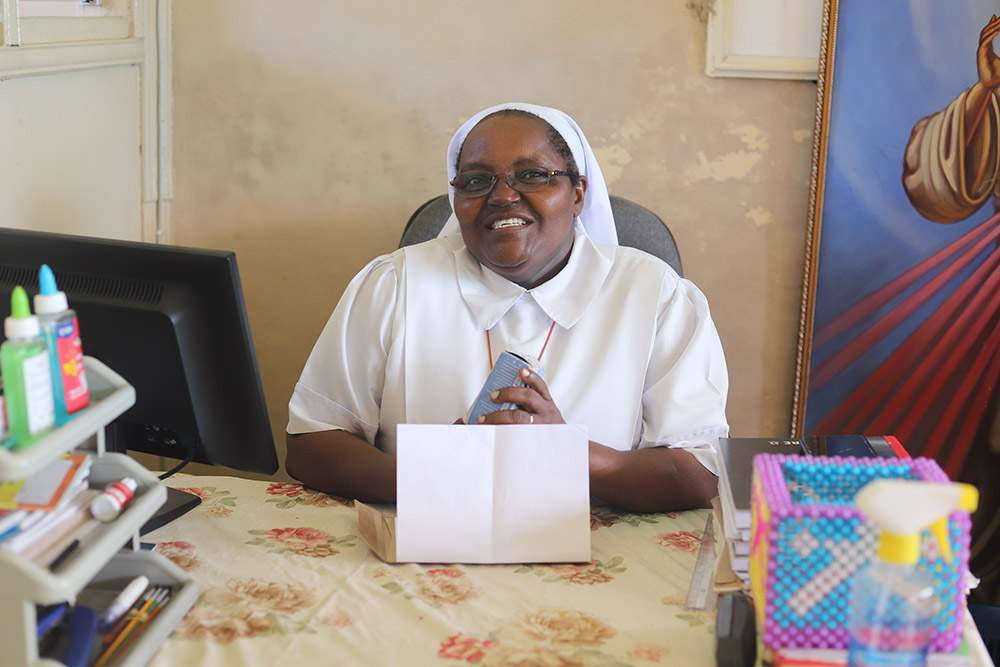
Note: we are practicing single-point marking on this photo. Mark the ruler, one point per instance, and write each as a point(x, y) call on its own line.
point(700, 594)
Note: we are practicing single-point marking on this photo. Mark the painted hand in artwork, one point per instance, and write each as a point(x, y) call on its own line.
point(987, 63)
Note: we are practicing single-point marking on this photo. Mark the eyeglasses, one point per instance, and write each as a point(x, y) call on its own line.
point(527, 179)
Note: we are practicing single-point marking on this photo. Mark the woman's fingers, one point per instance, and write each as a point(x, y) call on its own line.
point(535, 381)
point(504, 417)
point(533, 399)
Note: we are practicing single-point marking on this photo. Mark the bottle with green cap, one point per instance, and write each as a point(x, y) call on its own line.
point(893, 602)
point(61, 332)
point(24, 364)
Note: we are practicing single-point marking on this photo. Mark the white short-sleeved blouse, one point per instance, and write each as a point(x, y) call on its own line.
point(634, 353)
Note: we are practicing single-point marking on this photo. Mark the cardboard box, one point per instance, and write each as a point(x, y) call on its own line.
point(377, 525)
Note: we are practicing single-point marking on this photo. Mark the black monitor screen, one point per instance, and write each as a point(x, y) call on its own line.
point(172, 322)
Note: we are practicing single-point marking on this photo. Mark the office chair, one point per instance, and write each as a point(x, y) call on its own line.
point(638, 227)
point(987, 620)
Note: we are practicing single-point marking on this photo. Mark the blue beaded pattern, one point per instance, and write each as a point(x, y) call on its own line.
point(808, 540)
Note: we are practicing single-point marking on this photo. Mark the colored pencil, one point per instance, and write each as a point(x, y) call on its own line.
point(129, 628)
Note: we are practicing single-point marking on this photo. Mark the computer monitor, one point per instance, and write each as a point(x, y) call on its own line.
point(172, 322)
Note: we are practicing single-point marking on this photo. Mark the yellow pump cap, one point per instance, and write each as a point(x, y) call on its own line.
point(899, 549)
point(968, 498)
point(903, 508)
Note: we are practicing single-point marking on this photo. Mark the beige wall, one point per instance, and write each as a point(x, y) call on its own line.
point(307, 132)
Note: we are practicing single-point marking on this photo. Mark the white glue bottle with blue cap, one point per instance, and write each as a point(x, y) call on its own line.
point(892, 601)
point(61, 332)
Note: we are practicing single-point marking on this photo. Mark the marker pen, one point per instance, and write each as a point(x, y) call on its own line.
point(123, 602)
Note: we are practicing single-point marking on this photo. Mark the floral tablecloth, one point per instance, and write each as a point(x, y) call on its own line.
point(286, 579)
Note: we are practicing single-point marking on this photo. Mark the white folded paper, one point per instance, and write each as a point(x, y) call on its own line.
point(492, 494)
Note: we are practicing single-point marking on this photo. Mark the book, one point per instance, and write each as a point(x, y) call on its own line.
point(44, 489)
point(736, 473)
point(52, 525)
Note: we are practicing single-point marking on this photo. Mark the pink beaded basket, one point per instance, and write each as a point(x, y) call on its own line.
point(808, 539)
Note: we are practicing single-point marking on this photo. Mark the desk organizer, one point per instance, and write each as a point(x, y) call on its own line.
point(808, 539)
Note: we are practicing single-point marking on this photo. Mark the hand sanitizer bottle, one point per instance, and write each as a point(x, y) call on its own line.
point(24, 364)
point(892, 601)
point(62, 337)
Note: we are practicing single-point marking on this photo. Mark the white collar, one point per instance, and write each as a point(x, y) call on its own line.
point(564, 298)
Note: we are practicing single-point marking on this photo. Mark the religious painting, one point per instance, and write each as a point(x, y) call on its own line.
point(900, 329)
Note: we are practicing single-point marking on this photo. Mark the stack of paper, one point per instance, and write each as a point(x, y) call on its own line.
point(492, 494)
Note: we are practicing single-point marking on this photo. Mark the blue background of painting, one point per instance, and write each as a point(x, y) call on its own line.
point(896, 61)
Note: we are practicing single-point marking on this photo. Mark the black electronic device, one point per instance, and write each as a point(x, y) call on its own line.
point(860, 446)
point(172, 322)
point(735, 631)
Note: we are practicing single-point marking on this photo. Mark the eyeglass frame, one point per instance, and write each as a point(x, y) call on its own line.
point(507, 176)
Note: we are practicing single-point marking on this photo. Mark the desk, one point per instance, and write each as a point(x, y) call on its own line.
point(286, 580)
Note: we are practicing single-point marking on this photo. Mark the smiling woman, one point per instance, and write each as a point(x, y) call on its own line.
point(521, 225)
point(529, 261)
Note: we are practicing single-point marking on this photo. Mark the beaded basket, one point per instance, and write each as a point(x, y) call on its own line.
point(808, 539)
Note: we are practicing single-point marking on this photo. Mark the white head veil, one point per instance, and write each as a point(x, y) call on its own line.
point(596, 217)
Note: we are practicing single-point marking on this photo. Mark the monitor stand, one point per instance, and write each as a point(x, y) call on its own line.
point(177, 504)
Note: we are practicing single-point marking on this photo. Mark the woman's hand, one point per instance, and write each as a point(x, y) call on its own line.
point(534, 400)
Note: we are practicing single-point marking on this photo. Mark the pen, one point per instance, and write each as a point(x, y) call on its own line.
point(51, 617)
point(64, 554)
point(123, 601)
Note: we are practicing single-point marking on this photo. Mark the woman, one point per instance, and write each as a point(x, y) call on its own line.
point(528, 262)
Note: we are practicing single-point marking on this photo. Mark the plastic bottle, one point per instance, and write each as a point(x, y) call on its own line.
point(892, 602)
point(3, 418)
point(108, 504)
point(24, 364)
point(61, 332)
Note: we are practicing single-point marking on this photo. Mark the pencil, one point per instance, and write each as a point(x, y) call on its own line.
point(158, 602)
point(108, 652)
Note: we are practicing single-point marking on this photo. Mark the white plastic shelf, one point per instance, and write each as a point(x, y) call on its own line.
point(100, 556)
point(110, 396)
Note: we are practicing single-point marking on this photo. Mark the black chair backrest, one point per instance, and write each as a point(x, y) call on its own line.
point(987, 619)
point(638, 227)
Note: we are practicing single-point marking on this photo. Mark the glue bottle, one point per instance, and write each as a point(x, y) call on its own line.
point(61, 332)
point(107, 505)
point(892, 602)
point(24, 364)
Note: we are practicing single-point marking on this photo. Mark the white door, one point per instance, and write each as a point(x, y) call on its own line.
point(80, 119)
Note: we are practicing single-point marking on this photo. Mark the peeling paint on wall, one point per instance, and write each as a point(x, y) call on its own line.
point(612, 160)
point(752, 137)
point(801, 135)
point(735, 165)
point(723, 168)
point(701, 9)
point(760, 216)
